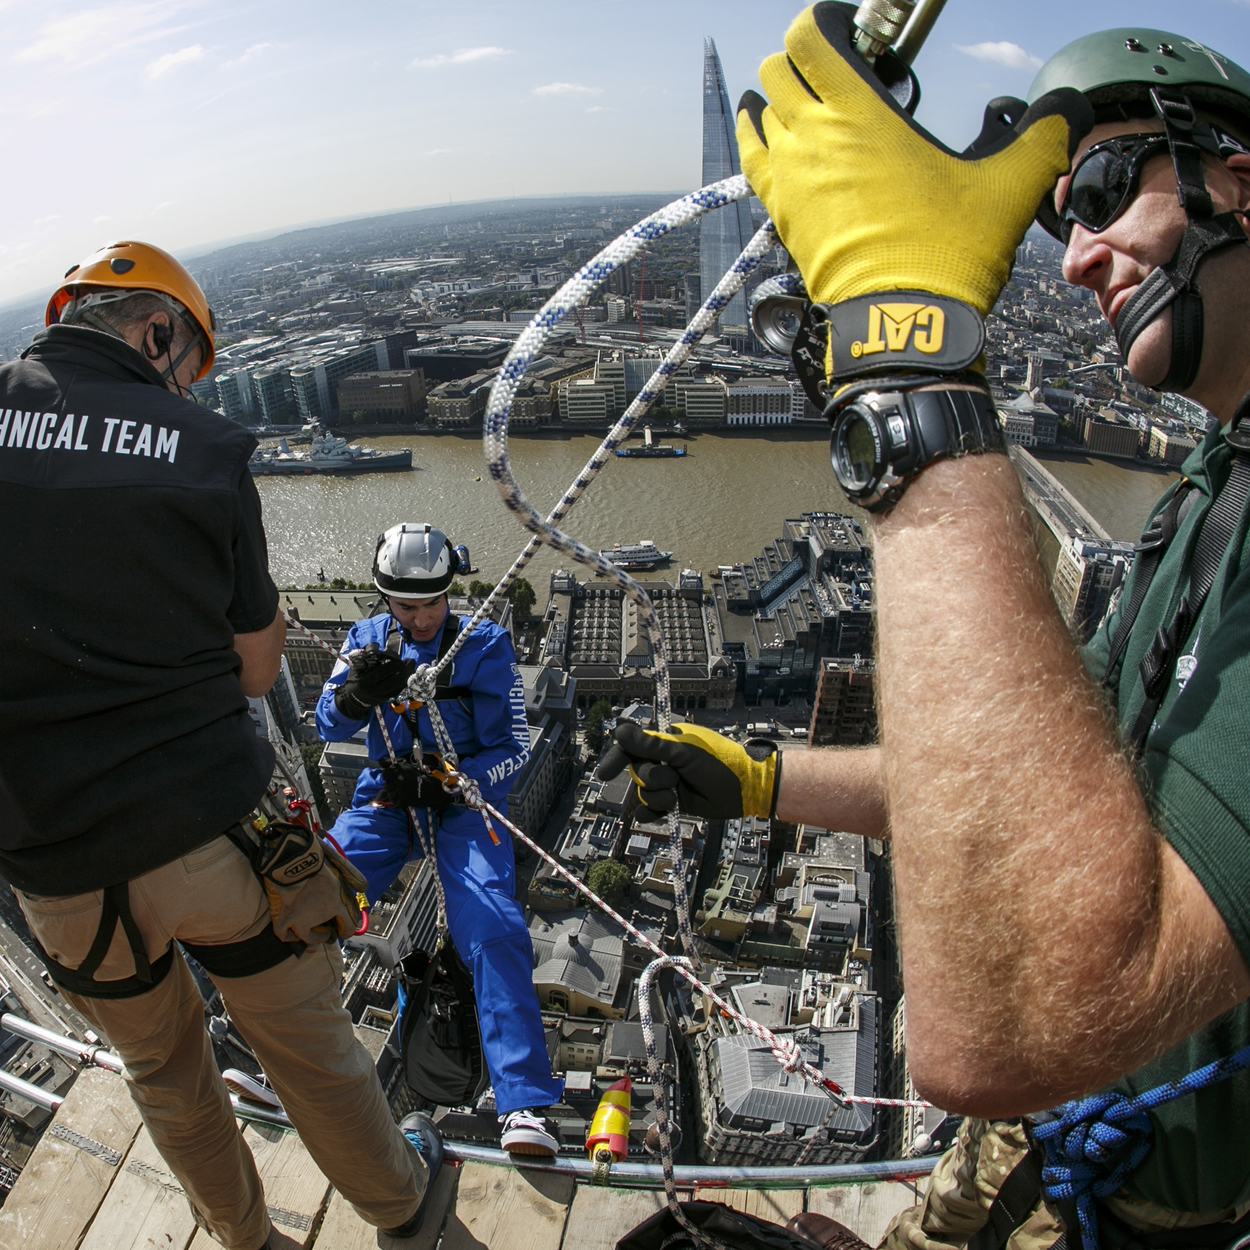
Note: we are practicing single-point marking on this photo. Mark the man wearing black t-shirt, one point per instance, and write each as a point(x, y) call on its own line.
point(139, 616)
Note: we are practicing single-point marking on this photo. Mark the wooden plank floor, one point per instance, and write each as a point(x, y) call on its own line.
point(98, 1184)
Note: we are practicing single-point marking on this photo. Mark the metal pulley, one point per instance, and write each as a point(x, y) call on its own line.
point(776, 310)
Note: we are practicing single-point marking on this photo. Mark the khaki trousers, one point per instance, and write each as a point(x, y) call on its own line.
point(290, 1015)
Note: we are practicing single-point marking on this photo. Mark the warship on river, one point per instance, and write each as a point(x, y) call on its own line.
point(326, 454)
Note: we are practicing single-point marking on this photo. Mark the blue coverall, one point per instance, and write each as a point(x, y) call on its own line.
point(487, 926)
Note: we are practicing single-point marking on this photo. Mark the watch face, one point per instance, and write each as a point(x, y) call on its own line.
point(855, 450)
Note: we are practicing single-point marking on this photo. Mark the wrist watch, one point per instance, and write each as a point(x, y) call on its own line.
point(881, 440)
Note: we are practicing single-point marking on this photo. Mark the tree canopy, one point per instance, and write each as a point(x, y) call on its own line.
point(610, 881)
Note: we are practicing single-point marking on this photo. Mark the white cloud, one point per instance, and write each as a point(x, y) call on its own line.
point(250, 54)
point(599, 108)
point(91, 35)
point(567, 88)
point(461, 56)
point(1012, 55)
point(171, 60)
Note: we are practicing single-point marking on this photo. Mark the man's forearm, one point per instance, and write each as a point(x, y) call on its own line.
point(1028, 873)
point(834, 787)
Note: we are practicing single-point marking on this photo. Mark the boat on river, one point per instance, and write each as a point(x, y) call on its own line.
point(326, 454)
point(641, 555)
point(651, 450)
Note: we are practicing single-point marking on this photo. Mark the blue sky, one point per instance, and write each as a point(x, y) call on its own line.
point(187, 122)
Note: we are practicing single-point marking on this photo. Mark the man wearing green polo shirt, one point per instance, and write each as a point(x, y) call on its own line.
point(1072, 872)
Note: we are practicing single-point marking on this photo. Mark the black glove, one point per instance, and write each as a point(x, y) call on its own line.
point(407, 786)
point(700, 771)
point(373, 675)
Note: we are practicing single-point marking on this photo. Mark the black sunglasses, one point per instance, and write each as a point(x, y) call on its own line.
point(1106, 179)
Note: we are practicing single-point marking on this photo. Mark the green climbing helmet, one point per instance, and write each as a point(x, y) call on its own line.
point(1117, 68)
point(1136, 74)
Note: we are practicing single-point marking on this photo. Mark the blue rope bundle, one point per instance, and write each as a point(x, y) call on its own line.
point(1093, 1143)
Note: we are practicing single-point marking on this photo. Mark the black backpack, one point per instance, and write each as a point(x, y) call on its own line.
point(439, 1043)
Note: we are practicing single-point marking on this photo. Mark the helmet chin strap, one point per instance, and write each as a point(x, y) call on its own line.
point(1173, 284)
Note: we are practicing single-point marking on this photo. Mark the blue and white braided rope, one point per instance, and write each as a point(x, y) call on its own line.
point(495, 435)
point(575, 293)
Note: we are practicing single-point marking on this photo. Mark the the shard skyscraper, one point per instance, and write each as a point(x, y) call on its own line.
point(724, 233)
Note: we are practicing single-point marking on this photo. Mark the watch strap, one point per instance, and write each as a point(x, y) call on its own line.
point(953, 423)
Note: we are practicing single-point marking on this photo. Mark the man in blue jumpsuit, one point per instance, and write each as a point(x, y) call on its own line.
point(483, 708)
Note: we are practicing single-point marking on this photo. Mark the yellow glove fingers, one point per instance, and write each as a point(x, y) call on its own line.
point(826, 65)
point(754, 157)
point(787, 97)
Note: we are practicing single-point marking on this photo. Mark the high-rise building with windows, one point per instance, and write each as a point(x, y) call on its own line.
point(724, 233)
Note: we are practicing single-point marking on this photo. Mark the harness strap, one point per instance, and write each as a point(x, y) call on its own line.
point(443, 688)
point(82, 981)
point(1173, 282)
point(1218, 529)
point(1155, 540)
point(1016, 1200)
point(246, 958)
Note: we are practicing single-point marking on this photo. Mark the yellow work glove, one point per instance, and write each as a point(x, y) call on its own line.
point(867, 202)
point(696, 770)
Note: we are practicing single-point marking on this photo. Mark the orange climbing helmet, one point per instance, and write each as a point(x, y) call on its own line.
point(139, 267)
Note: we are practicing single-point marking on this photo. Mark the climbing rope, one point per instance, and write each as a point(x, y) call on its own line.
point(574, 294)
point(1093, 1143)
point(784, 1050)
point(422, 685)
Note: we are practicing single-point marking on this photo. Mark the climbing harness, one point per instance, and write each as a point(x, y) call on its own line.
point(1217, 531)
point(81, 980)
point(285, 851)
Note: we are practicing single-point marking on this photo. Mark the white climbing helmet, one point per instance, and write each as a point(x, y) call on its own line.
point(414, 561)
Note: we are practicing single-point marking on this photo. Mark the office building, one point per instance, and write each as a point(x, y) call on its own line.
point(807, 596)
point(752, 1113)
point(578, 958)
point(1106, 434)
point(1028, 422)
point(446, 363)
point(726, 231)
point(595, 633)
point(390, 395)
point(459, 404)
point(235, 396)
point(1170, 446)
point(759, 401)
point(275, 397)
point(843, 712)
point(315, 380)
point(1087, 573)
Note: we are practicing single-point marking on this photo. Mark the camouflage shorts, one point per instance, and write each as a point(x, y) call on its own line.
point(961, 1190)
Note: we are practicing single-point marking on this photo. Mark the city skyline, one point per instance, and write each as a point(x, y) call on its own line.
point(192, 124)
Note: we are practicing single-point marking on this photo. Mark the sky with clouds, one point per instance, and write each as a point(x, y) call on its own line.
point(188, 122)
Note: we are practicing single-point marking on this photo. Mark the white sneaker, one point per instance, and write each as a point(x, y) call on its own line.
point(254, 1089)
point(527, 1133)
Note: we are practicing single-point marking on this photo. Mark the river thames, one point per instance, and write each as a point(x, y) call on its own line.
point(717, 505)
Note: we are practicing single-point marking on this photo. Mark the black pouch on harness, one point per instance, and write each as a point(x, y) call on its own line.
point(439, 1043)
point(731, 1228)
